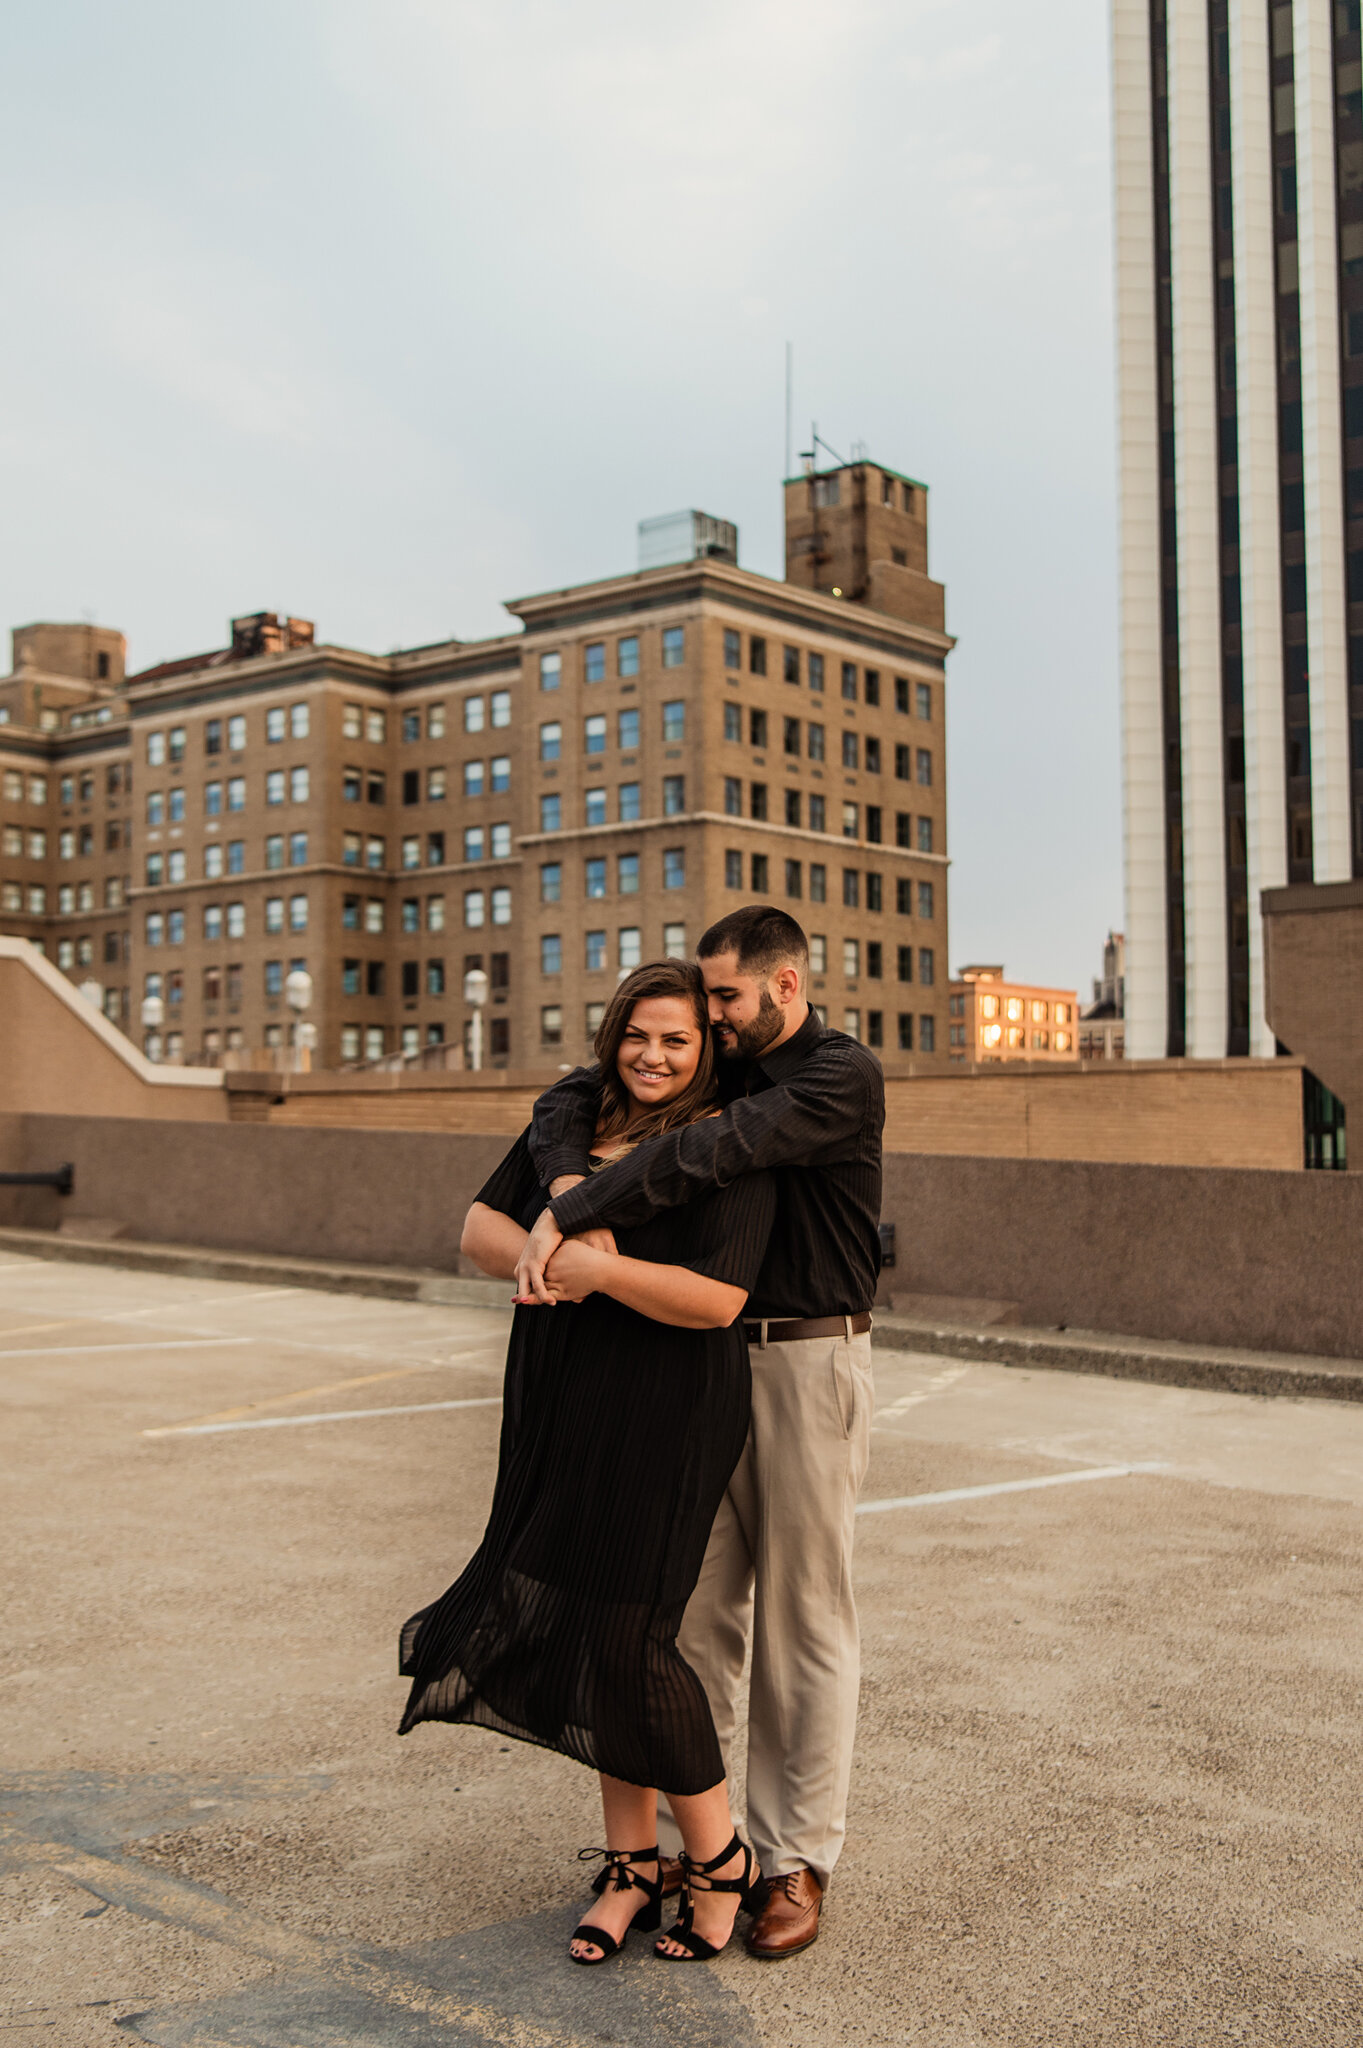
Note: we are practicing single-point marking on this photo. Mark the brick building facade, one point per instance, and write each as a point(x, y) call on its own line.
point(552, 805)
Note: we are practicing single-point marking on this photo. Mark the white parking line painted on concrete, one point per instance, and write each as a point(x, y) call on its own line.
point(936, 1385)
point(337, 1415)
point(161, 1344)
point(930, 1500)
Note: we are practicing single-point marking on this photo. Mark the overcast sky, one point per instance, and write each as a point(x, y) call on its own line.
point(382, 313)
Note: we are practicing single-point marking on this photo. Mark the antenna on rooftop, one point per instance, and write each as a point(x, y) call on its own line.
point(790, 357)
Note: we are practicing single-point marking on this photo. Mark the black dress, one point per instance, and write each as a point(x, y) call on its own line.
point(619, 1436)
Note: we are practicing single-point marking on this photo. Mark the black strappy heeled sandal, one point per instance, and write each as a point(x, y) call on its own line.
point(620, 1878)
point(698, 1877)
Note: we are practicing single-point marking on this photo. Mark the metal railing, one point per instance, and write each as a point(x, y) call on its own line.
point(62, 1178)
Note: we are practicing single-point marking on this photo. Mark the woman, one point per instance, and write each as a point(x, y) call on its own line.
point(626, 1409)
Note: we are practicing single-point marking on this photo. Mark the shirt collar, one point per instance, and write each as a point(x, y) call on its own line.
point(781, 1062)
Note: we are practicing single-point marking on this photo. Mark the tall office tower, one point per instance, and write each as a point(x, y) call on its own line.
point(1239, 204)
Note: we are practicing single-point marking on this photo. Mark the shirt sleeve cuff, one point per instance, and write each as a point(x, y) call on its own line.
point(573, 1212)
point(563, 1159)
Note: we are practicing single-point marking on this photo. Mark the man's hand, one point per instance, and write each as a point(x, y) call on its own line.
point(599, 1239)
point(574, 1271)
point(543, 1241)
point(564, 1181)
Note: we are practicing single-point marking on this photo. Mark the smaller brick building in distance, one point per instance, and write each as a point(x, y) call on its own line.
point(992, 1018)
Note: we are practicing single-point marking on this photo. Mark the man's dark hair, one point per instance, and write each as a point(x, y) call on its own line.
point(763, 937)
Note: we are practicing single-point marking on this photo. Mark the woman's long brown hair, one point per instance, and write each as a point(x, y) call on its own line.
point(659, 978)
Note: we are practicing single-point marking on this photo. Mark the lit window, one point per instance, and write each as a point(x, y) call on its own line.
point(1013, 1009)
point(1038, 1013)
point(175, 866)
point(350, 1041)
point(849, 821)
point(1062, 1041)
point(212, 862)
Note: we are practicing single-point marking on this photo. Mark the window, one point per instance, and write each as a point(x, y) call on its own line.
point(352, 721)
point(816, 741)
point(905, 963)
point(373, 1041)
point(375, 786)
point(212, 862)
point(851, 1023)
point(674, 646)
point(925, 899)
point(627, 655)
point(873, 892)
point(851, 958)
point(596, 877)
point(759, 869)
point(551, 812)
point(873, 821)
point(551, 1024)
point(849, 682)
point(818, 953)
point(411, 785)
point(733, 869)
point(674, 942)
point(627, 733)
point(175, 811)
point(501, 842)
point(596, 952)
point(627, 874)
point(501, 906)
point(275, 726)
point(674, 719)
point(236, 734)
point(757, 655)
point(925, 969)
point(903, 829)
point(816, 814)
point(212, 920)
point(733, 797)
point(298, 913)
point(818, 882)
point(376, 726)
point(212, 736)
point(551, 671)
point(236, 920)
point(66, 845)
point(551, 741)
point(236, 793)
point(435, 977)
point(551, 882)
point(473, 843)
point(849, 750)
point(905, 1032)
point(875, 1028)
point(923, 697)
point(903, 764)
point(733, 721)
point(757, 800)
point(849, 821)
point(794, 878)
point(733, 648)
point(155, 865)
point(594, 806)
point(435, 721)
point(350, 1033)
point(551, 953)
point(875, 959)
point(352, 785)
point(757, 728)
point(156, 749)
point(500, 964)
point(473, 778)
point(410, 920)
point(674, 795)
point(156, 808)
point(674, 867)
point(37, 899)
point(871, 686)
point(274, 977)
point(925, 768)
point(373, 977)
point(903, 897)
point(351, 847)
point(790, 735)
point(475, 908)
point(925, 835)
point(274, 786)
point(594, 662)
point(872, 755)
point(851, 888)
point(793, 809)
point(175, 867)
point(630, 806)
point(374, 854)
point(298, 849)
point(274, 913)
point(474, 712)
point(927, 1034)
point(435, 913)
point(628, 947)
point(499, 775)
point(501, 708)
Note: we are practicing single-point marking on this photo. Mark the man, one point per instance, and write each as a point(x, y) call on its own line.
point(809, 1104)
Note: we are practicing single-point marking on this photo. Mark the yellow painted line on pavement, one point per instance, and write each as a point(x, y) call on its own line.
point(368, 1379)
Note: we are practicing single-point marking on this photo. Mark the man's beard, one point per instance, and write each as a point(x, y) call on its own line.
point(752, 1039)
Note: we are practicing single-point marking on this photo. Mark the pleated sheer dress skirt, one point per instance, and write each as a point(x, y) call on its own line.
point(619, 1436)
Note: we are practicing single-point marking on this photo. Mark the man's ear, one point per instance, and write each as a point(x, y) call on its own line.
point(785, 985)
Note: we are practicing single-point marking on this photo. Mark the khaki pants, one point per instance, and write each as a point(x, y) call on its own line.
point(779, 1564)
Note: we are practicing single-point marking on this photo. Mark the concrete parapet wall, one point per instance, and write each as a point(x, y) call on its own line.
point(1207, 1255)
point(57, 1052)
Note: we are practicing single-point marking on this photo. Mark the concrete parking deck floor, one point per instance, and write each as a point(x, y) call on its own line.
point(1107, 1788)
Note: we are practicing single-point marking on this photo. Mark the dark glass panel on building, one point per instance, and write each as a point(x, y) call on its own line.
point(1347, 52)
point(1292, 523)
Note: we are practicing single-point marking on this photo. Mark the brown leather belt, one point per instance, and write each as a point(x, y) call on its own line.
point(813, 1326)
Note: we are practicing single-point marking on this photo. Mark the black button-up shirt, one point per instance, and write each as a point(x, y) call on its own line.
point(811, 1111)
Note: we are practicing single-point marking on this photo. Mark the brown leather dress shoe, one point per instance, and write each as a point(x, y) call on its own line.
point(788, 1918)
point(670, 1871)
